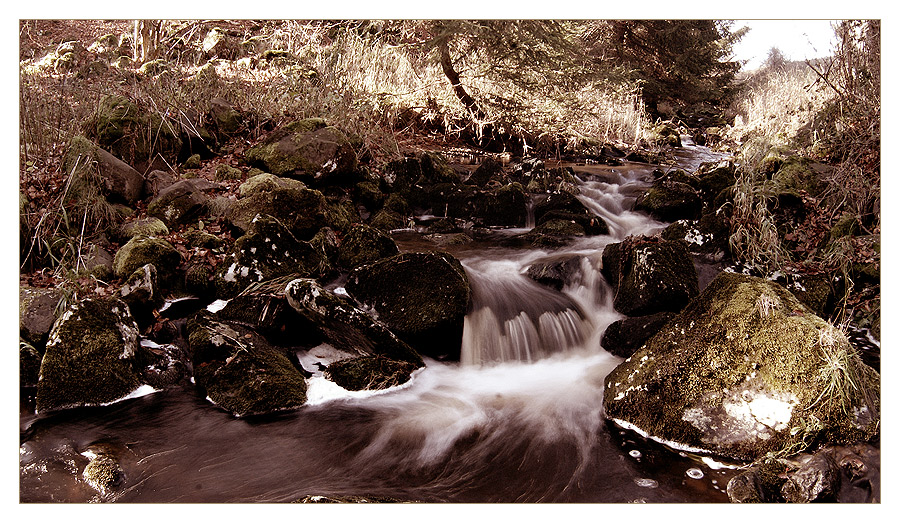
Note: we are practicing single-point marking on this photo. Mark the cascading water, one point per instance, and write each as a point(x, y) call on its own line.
point(518, 419)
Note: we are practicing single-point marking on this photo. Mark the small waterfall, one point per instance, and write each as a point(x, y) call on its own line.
point(513, 318)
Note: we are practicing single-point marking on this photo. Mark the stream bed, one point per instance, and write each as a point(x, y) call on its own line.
point(518, 419)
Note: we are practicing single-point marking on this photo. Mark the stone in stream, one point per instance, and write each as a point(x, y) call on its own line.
point(746, 369)
point(422, 297)
point(649, 275)
point(240, 371)
point(92, 356)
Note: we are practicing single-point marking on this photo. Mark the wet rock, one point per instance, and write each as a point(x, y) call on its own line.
point(345, 326)
point(387, 220)
point(745, 488)
point(565, 206)
point(29, 364)
point(37, 312)
point(142, 250)
point(713, 178)
point(142, 294)
point(364, 244)
point(666, 133)
point(623, 337)
point(815, 478)
point(551, 234)
point(670, 201)
point(240, 371)
point(102, 472)
point(302, 211)
point(348, 499)
point(422, 297)
point(649, 275)
point(489, 170)
point(309, 151)
point(121, 127)
point(745, 370)
point(268, 250)
point(556, 273)
point(504, 206)
point(540, 180)
point(706, 237)
point(182, 202)
point(92, 356)
point(369, 373)
point(118, 180)
point(265, 308)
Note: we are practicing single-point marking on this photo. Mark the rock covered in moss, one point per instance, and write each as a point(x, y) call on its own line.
point(140, 251)
point(489, 170)
point(649, 275)
point(150, 226)
point(240, 371)
point(118, 181)
point(302, 211)
point(556, 273)
point(266, 251)
point(364, 244)
point(369, 372)
point(345, 326)
point(668, 201)
point(267, 182)
point(746, 370)
point(566, 206)
point(29, 364)
point(307, 150)
point(225, 118)
point(422, 297)
point(133, 134)
point(92, 356)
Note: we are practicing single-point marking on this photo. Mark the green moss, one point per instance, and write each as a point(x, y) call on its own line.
point(132, 133)
point(90, 356)
point(149, 227)
point(227, 172)
point(387, 220)
point(140, 251)
point(267, 182)
point(364, 244)
point(302, 211)
point(742, 338)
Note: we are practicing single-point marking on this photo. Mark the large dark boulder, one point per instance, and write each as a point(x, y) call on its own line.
point(669, 200)
point(623, 337)
point(118, 181)
point(567, 207)
point(746, 370)
point(92, 357)
point(422, 297)
point(345, 326)
point(649, 275)
point(182, 202)
point(240, 371)
point(364, 244)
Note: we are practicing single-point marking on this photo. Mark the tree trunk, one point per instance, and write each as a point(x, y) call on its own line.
point(453, 76)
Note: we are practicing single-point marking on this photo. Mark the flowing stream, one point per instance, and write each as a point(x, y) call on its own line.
point(519, 419)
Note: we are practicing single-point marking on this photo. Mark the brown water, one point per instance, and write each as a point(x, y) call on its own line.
point(518, 420)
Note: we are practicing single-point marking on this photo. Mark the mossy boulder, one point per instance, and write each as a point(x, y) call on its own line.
point(227, 120)
point(364, 244)
point(345, 326)
point(505, 206)
point(369, 372)
point(388, 220)
point(140, 251)
point(556, 273)
point(489, 170)
point(115, 179)
point(92, 356)
point(240, 371)
point(132, 133)
point(150, 226)
point(267, 182)
point(666, 133)
point(422, 297)
point(567, 206)
point(309, 151)
point(302, 211)
point(668, 200)
point(649, 275)
point(268, 250)
point(794, 176)
point(29, 364)
point(743, 371)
